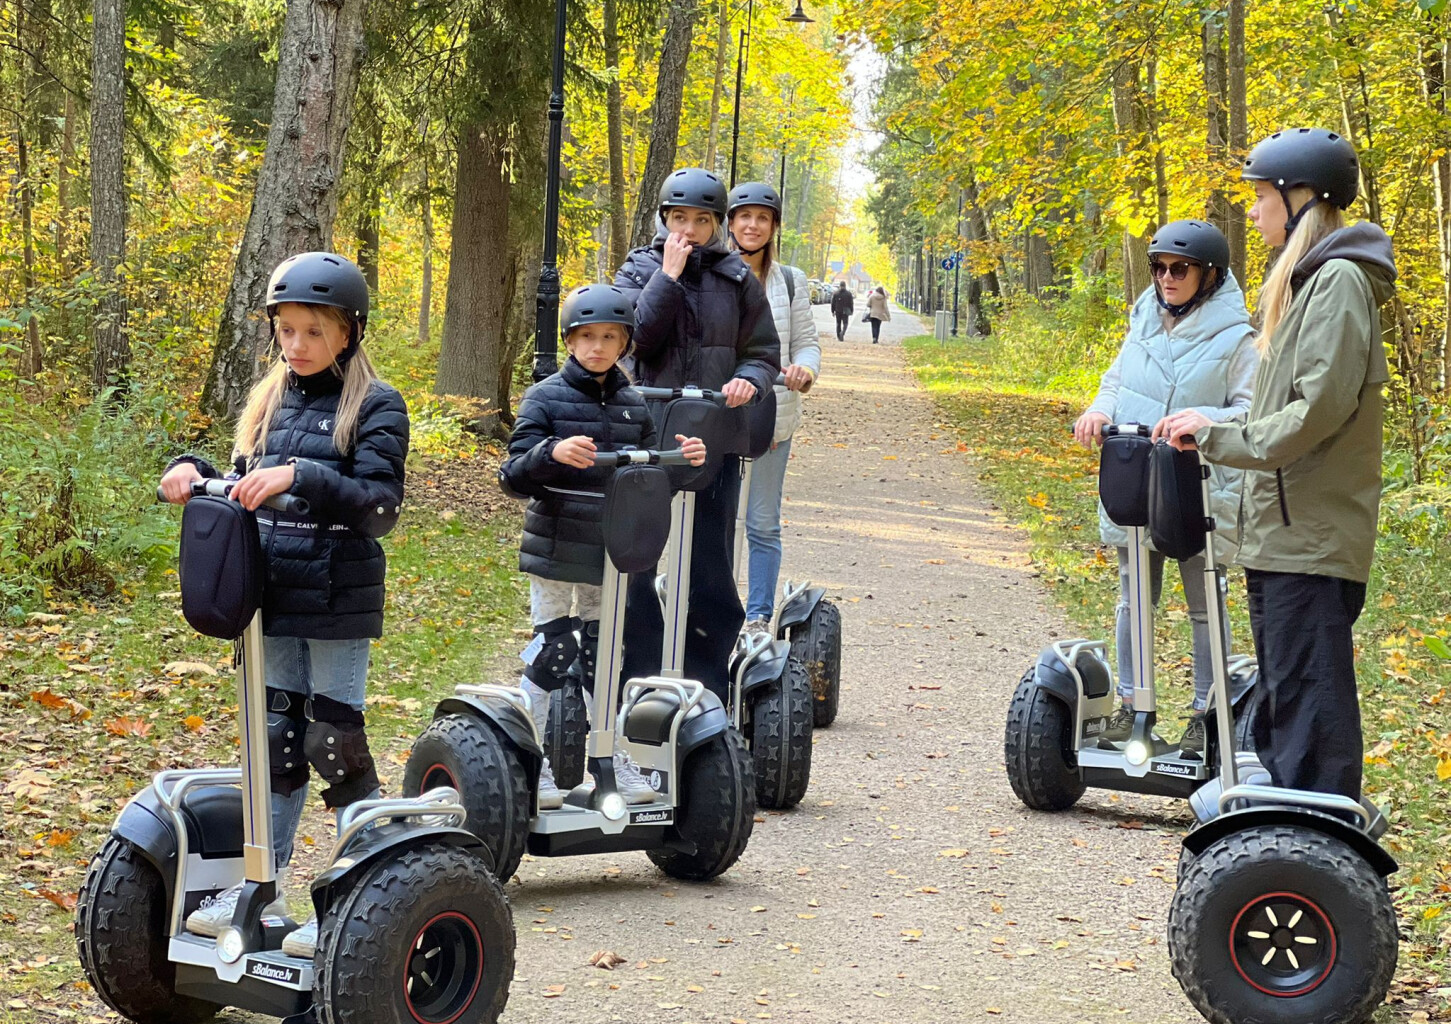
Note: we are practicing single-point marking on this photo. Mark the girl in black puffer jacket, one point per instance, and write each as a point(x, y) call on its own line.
point(587, 406)
point(322, 426)
point(704, 319)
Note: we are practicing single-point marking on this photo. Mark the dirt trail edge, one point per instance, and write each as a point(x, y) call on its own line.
point(910, 885)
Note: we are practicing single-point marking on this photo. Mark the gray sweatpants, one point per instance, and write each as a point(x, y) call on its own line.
point(1191, 571)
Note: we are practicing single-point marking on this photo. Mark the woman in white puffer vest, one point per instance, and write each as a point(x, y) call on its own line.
point(754, 215)
point(1190, 345)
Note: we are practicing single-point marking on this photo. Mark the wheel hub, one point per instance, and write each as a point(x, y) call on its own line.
point(1282, 944)
point(445, 966)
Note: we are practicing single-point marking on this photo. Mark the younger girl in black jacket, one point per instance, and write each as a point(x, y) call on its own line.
point(323, 426)
point(587, 406)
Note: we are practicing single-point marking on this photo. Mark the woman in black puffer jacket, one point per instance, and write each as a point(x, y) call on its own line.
point(322, 426)
point(702, 318)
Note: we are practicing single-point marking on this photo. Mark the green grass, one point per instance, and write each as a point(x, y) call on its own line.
point(1013, 420)
point(90, 712)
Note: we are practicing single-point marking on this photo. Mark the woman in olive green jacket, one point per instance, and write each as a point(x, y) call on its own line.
point(1311, 448)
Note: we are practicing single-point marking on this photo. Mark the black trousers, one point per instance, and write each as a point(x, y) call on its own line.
point(716, 615)
point(876, 328)
point(1307, 714)
point(842, 319)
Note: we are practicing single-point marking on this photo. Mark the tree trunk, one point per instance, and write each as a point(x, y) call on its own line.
point(665, 115)
point(722, 50)
point(614, 118)
point(425, 301)
point(1238, 131)
point(369, 226)
point(520, 328)
point(369, 238)
point(112, 360)
point(296, 198)
point(1435, 72)
point(480, 276)
point(1357, 125)
point(1216, 87)
point(34, 360)
point(1151, 120)
point(62, 188)
point(1129, 131)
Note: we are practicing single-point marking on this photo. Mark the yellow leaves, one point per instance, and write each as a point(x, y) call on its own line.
point(1039, 500)
point(1443, 768)
point(1430, 913)
point(954, 854)
point(193, 723)
point(606, 959)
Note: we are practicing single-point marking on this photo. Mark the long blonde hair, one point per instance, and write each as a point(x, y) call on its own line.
point(1276, 293)
point(357, 375)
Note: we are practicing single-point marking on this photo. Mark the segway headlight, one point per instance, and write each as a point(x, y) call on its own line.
point(1137, 752)
point(230, 946)
point(613, 807)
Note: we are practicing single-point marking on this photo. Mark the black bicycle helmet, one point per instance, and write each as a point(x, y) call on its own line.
point(320, 279)
point(754, 193)
point(693, 186)
point(1306, 157)
point(596, 304)
point(1201, 242)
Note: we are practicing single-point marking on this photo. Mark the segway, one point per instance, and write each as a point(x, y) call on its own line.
point(802, 615)
point(769, 697)
point(413, 926)
point(1053, 749)
point(483, 742)
point(1282, 912)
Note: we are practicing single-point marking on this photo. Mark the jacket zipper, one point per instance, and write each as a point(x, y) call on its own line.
point(286, 446)
point(1284, 505)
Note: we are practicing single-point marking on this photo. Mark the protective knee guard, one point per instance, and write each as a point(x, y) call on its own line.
point(286, 734)
point(550, 667)
point(338, 748)
point(589, 646)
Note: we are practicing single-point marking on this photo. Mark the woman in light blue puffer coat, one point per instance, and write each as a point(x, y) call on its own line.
point(1190, 345)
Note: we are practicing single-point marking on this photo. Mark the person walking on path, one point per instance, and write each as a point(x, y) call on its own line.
point(1311, 449)
point(1190, 345)
point(877, 312)
point(754, 212)
point(842, 307)
point(702, 318)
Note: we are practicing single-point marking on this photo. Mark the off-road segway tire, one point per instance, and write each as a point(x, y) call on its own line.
point(1280, 922)
point(781, 724)
point(425, 935)
point(121, 925)
point(1037, 749)
point(717, 810)
point(816, 644)
point(472, 755)
point(567, 732)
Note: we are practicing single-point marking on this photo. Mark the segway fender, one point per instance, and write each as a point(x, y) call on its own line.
point(144, 825)
point(1373, 853)
point(799, 608)
point(214, 820)
point(770, 664)
point(1054, 677)
point(373, 843)
point(706, 722)
point(510, 719)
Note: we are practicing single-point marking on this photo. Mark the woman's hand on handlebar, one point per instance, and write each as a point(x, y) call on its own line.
point(577, 451)
point(1089, 428)
point(1179, 428)
point(738, 391)
point(798, 378)
point(259, 485)
point(693, 448)
point(176, 483)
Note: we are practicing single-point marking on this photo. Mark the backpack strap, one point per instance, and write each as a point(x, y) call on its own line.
point(789, 272)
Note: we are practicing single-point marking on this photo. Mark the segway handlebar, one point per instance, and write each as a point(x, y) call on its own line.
point(1130, 429)
point(669, 394)
point(646, 457)
point(289, 503)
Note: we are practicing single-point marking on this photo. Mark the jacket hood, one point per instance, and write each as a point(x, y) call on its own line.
point(1363, 243)
point(1222, 310)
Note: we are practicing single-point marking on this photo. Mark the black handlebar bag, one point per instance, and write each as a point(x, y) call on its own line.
point(221, 569)
point(696, 417)
point(755, 426)
point(1178, 520)
point(637, 517)
point(1123, 478)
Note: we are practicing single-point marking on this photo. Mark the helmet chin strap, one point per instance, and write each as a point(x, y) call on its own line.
point(1183, 308)
point(743, 250)
point(1292, 219)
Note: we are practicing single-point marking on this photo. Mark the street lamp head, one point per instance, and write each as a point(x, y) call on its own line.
point(799, 16)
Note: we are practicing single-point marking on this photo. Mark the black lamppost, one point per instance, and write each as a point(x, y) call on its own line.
point(743, 57)
point(546, 303)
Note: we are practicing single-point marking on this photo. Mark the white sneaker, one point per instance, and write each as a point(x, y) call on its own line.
point(550, 797)
point(757, 627)
point(302, 942)
point(629, 782)
point(210, 918)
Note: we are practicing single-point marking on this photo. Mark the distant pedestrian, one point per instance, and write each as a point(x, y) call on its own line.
point(877, 311)
point(842, 305)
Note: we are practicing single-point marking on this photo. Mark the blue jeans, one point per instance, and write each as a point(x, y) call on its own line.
point(763, 530)
point(328, 668)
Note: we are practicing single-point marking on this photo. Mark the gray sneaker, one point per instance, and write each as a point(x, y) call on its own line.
point(210, 918)
point(1120, 726)
point(302, 942)
point(630, 783)
point(550, 798)
point(757, 626)
point(1191, 744)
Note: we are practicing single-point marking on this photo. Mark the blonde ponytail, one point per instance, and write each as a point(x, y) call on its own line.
point(1276, 294)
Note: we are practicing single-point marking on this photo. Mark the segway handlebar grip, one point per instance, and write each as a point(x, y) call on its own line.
point(1114, 429)
point(649, 457)
point(668, 394)
point(289, 503)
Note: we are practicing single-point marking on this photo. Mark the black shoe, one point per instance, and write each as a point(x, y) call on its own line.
point(1120, 726)
point(1191, 744)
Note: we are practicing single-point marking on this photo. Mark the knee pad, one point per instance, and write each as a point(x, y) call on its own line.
point(337, 747)
point(286, 734)
point(589, 645)
point(550, 666)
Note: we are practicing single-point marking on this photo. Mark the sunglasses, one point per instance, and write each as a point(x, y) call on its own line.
point(1178, 271)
